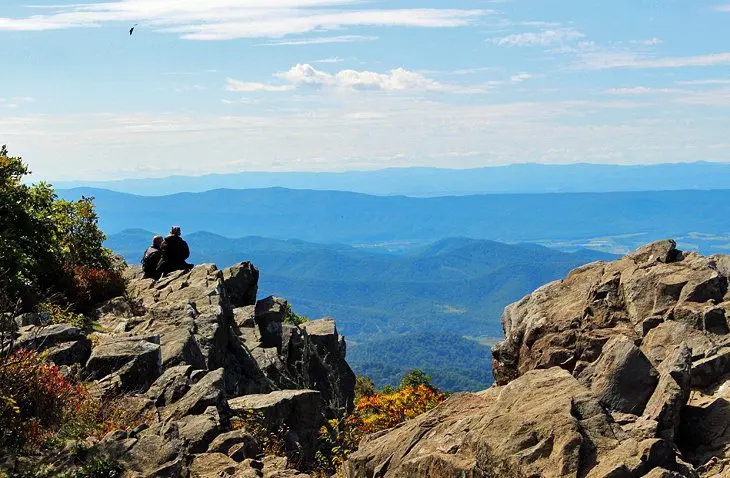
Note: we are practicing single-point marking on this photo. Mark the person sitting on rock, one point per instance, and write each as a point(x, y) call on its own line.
point(151, 258)
point(174, 253)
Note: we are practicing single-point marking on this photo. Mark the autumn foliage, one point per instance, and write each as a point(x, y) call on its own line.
point(385, 410)
point(375, 411)
point(39, 404)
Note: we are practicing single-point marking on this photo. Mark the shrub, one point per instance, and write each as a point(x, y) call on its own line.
point(39, 399)
point(48, 246)
point(373, 412)
point(292, 318)
point(92, 285)
point(41, 405)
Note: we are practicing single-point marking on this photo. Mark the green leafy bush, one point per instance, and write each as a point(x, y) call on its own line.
point(49, 247)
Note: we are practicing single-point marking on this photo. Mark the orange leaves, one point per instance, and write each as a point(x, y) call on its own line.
point(385, 410)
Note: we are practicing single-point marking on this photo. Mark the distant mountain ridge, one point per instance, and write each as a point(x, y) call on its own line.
point(430, 182)
point(615, 222)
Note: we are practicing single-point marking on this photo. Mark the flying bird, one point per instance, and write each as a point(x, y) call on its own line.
point(131, 30)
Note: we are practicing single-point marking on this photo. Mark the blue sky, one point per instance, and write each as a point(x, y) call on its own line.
point(332, 85)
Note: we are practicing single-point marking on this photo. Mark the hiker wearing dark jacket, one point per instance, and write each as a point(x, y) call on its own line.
point(174, 252)
point(151, 258)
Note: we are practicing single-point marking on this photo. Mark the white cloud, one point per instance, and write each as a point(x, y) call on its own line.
point(634, 60)
point(396, 80)
point(230, 19)
point(331, 60)
point(649, 42)
point(520, 77)
point(306, 74)
point(243, 86)
point(643, 90)
point(322, 40)
point(543, 38)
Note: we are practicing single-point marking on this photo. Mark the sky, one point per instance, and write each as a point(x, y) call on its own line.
point(221, 86)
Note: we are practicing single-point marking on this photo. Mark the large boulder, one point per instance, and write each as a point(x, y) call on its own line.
point(297, 411)
point(137, 362)
point(567, 323)
point(544, 423)
point(192, 314)
point(242, 284)
point(330, 374)
point(622, 378)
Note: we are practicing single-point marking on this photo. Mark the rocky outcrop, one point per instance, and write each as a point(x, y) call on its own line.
point(188, 353)
point(545, 423)
point(621, 369)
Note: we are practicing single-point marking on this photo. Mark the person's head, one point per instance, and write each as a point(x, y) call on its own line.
point(175, 231)
point(157, 242)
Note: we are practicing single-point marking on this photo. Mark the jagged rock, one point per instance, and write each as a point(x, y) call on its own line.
point(663, 340)
point(707, 371)
point(662, 473)
point(714, 321)
point(30, 318)
point(704, 432)
point(171, 386)
point(335, 379)
point(623, 379)
point(645, 294)
point(192, 314)
point(157, 452)
point(238, 445)
point(245, 317)
point(661, 251)
point(545, 423)
point(269, 315)
point(298, 409)
point(242, 283)
point(672, 392)
point(70, 353)
point(216, 465)
point(198, 431)
point(208, 392)
point(44, 337)
point(137, 362)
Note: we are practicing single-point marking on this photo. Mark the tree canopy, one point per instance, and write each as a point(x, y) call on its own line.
point(48, 246)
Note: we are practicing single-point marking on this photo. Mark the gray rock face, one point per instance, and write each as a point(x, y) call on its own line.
point(138, 363)
point(544, 423)
point(173, 352)
point(269, 316)
point(622, 379)
point(208, 392)
point(242, 284)
point(334, 379)
point(619, 370)
point(567, 322)
point(672, 392)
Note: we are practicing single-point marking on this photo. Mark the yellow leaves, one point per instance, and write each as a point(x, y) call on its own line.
point(386, 410)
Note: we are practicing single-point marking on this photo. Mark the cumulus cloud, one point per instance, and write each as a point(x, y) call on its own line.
point(230, 19)
point(543, 38)
point(396, 80)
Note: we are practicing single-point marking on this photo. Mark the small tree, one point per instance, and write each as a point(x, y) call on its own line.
point(415, 378)
point(48, 246)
